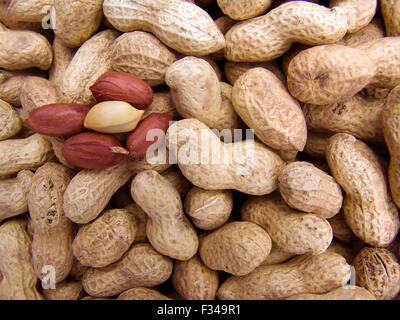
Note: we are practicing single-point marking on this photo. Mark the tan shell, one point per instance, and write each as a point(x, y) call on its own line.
point(178, 180)
point(344, 249)
point(341, 231)
point(57, 144)
point(277, 255)
point(77, 20)
point(264, 104)
point(316, 144)
point(36, 51)
point(141, 266)
point(390, 120)
point(142, 55)
point(208, 209)
point(224, 23)
point(14, 193)
point(233, 70)
point(24, 154)
point(53, 249)
point(168, 230)
point(358, 116)
point(53, 235)
point(62, 58)
point(10, 122)
point(359, 12)
point(313, 75)
point(342, 293)
point(18, 280)
point(106, 239)
point(27, 10)
point(242, 10)
point(92, 60)
point(159, 161)
point(77, 270)
point(45, 197)
point(196, 93)
point(281, 281)
point(36, 92)
point(91, 189)
point(368, 208)
point(293, 231)
point(391, 14)
point(142, 294)
point(236, 248)
point(180, 25)
point(309, 189)
point(11, 82)
point(162, 103)
point(195, 281)
point(268, 37)
point(66, 290)
point(247, 166)
point(385, 54)
point(378, 271)
point(140, 221)
point(374, 30)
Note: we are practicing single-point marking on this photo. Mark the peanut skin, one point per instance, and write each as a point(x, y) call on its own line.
point(247, 166)
point(281, 281)
point(168, 230)
point(368, 207)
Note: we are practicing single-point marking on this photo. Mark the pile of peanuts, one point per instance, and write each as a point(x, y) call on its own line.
point(102, 102)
